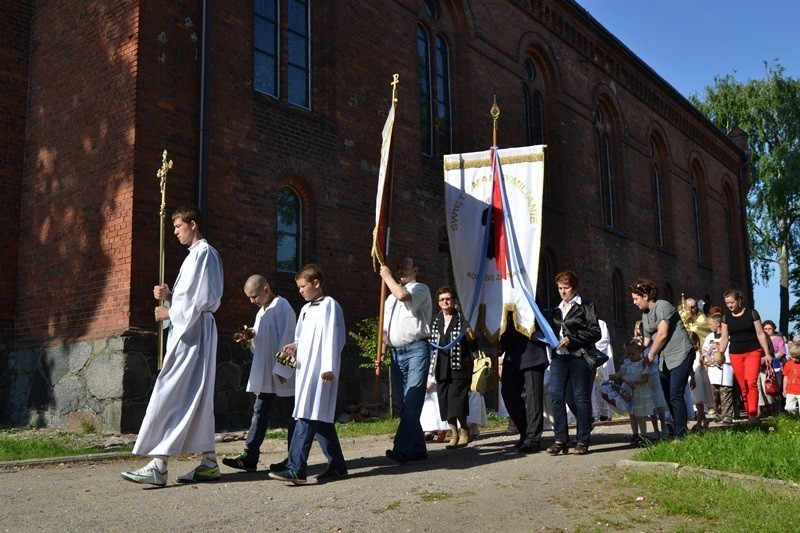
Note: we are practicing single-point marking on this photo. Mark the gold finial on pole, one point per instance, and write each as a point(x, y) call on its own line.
point(166, 165)
point(495, 112)
point(395, 81)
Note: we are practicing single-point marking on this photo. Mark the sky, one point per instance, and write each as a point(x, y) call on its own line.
point(689, 42)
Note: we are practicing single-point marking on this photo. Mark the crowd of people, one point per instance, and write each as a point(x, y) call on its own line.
point(679, 364)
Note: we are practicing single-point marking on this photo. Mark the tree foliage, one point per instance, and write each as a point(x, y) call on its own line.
point(768, 111)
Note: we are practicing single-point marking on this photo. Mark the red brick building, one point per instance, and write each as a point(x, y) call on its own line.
point(271, 111)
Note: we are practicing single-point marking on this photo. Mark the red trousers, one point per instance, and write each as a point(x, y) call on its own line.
point(745, 369)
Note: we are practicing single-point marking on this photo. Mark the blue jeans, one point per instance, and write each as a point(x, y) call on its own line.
point(303, 438)
point(260, 423)
point(673, 383)
point(563, 369)
point(411, 364)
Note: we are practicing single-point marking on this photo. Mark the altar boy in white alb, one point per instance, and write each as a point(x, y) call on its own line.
point(180, 415)
point(273, 329)
point(319, 339)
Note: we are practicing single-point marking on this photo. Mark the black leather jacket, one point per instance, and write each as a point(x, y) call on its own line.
point(580, 325)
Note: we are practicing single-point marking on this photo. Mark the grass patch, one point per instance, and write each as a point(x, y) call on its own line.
point(435, 496)
point(387, 426)
point(393, 506)
point(709, 504)
point(766, 450)
point(18, 445)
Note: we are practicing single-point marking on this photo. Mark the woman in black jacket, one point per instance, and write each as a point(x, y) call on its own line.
point(574, 322)
point(452, 368)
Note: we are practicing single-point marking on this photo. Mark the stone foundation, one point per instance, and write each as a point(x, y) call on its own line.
point(105, 384)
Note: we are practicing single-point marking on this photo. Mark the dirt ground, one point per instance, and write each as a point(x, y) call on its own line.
point(484, 487)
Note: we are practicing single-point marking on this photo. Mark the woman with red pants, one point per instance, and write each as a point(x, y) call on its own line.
point(748, 348)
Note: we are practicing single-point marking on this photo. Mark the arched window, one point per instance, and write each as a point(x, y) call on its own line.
point(435, 99)
point(604, 163)
point(443, 97)
point(731, 222)
point(425, 115)
point(430, 10)
point(269, 59)
point(545, 288)
point(698, 234)
point(532, 108)
point(289, 231)
point(669, 294)
point(658, 202)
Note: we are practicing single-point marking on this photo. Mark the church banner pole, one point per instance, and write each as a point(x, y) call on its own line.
point(494, 111)
point(381, 233)
point(166, 165)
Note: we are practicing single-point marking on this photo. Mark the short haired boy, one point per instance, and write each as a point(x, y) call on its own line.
point(180, 413)
point(273, 328)
point(319, 339)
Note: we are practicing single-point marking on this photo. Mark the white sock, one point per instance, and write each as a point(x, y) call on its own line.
point(160, 462)
point(209, 460)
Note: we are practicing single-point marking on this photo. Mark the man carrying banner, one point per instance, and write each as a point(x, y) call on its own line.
point(406, 323)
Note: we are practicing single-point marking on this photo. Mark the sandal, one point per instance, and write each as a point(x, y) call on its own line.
point(580, 449)
point(558, 447)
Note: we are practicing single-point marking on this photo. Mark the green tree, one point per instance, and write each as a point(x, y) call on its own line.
point(768, 111)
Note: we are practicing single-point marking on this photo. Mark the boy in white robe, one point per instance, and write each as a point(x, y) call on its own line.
point(180, 414)
point(273, 328)
point(319, 339)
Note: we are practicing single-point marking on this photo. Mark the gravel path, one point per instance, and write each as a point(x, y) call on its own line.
point(484, 487)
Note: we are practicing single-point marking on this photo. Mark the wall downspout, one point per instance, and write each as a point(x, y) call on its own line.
point(202, 156)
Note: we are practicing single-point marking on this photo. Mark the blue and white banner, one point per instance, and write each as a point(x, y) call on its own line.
point(493, 205)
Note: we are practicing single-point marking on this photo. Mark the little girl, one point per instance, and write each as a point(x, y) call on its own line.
point(634, 372)
point(658, 416)
point(700, 384)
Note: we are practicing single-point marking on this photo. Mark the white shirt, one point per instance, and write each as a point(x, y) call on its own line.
point(566, 307)
point(406, 322)
point(274, 328)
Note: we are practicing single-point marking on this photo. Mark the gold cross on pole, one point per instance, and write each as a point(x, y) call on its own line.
point(166, 165)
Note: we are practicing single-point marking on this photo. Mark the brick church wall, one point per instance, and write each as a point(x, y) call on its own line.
point(111, 85)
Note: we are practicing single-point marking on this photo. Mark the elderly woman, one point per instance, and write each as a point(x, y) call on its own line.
point(666, 336)
point(452, 368)
point(742, 329)
point(575, 323)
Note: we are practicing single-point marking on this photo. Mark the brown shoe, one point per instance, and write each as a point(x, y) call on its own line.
point(454, 438)
point(463, 438)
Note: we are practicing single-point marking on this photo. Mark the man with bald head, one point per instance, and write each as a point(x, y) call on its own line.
point(273, 328)
point(697, 319)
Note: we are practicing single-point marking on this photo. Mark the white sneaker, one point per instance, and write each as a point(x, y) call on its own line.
point(200, 474)
point(148, 475)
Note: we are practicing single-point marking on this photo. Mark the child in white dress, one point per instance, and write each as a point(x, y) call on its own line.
point(700, 384)
point(634, 372)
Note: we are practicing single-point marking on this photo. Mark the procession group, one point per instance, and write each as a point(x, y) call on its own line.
point(430, 351)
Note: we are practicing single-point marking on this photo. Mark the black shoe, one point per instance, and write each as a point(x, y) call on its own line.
point(331, 474)
point(290, 476)
point(531, 447)
point(397, 457)
point(418, 456)
point(520, 443)
point(242, 462)
point(277, 467)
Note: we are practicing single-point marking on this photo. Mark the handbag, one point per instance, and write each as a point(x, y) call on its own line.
point(770, 383)
point(594, 358)
point(481, 372)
